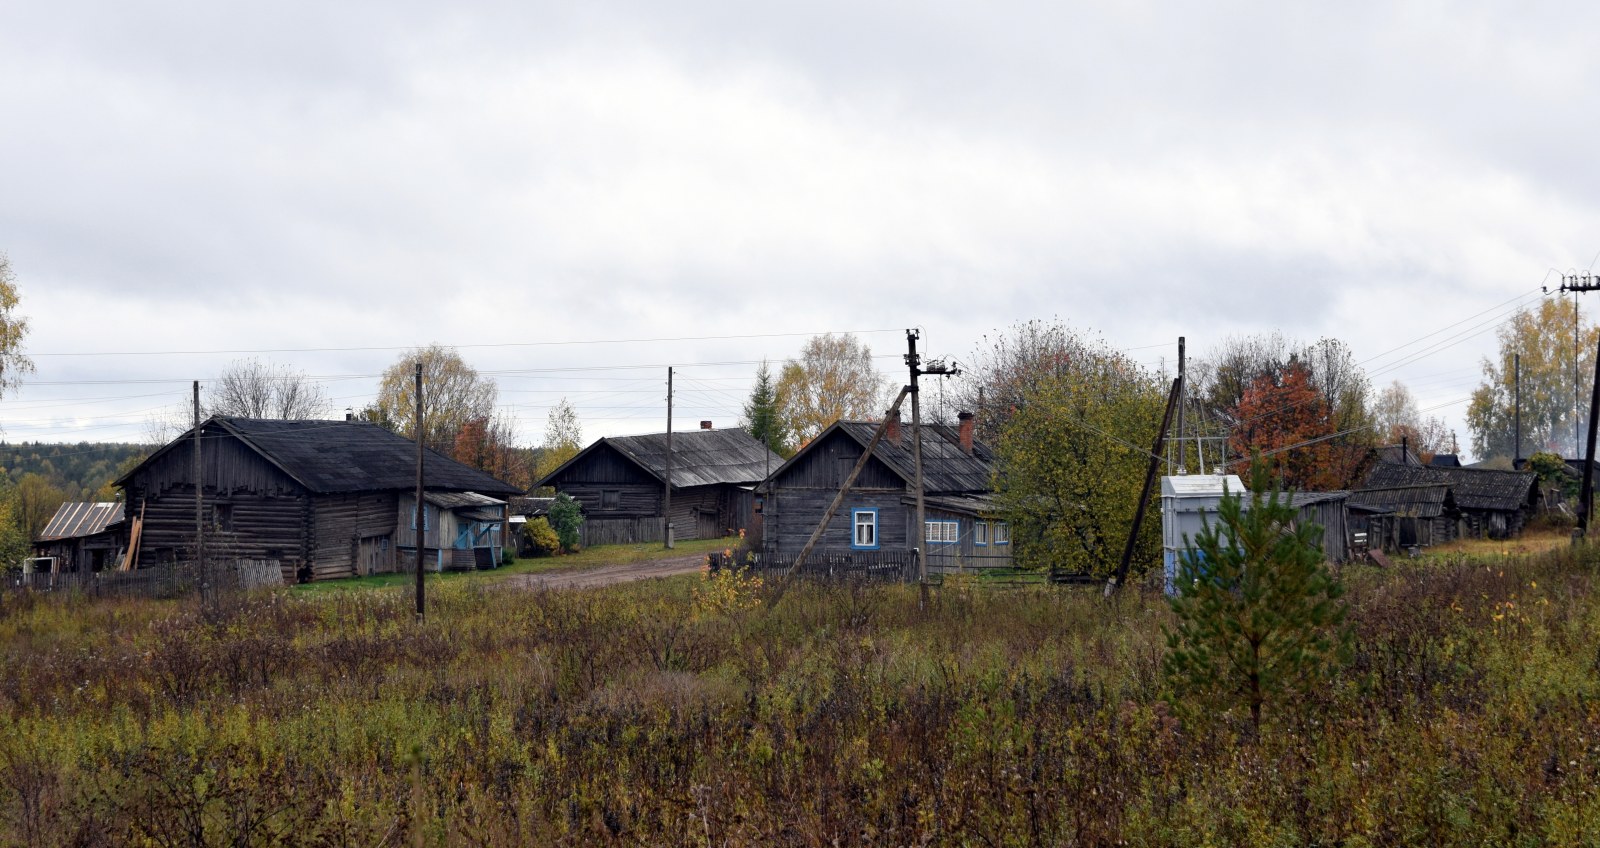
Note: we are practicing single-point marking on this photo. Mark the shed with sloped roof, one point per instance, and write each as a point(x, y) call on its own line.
point(1494, 504)
point(621, 481)
point(81, 536)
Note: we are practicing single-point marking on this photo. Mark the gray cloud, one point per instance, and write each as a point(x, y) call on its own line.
point(185, 176)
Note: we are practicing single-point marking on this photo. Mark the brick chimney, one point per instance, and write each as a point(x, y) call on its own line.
point(891, 433)
point(705, 425)
point(966, 432)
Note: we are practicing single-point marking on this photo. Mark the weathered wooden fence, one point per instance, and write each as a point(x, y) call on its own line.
point(886, 566)
point(165, 581)
point(622, 531)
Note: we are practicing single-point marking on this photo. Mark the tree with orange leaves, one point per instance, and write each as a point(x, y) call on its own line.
point(485, 444)
point(1283, 409)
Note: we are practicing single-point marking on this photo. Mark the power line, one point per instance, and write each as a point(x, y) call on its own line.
point(464, 346)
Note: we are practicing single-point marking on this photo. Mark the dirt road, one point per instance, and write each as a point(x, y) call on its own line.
point(607, 575)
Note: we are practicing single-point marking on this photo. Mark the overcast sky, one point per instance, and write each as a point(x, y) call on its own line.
point(303, 177)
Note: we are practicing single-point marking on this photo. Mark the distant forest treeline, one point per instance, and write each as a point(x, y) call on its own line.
point(82, 471)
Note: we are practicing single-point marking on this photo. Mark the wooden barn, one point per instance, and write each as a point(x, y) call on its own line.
point(326, 499)
point(1408, 516)
point(878, 515)
point(1327, 510)
point(1493, 504)
point(81, 537)
point(620, 481)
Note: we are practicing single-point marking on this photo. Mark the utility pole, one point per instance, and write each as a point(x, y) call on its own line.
point(913, 361)
point(914, 364)
point(199, 504)
point(1575, 283)
point(1516, 418)
point(422, 516)
point(666, 507)
point(1182, 391)
point(1121, 575)
point(1588, 457)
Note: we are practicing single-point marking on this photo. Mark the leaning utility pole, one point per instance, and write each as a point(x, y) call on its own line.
point(1144, 494)
point(666, 502)
point(422, 516)
point(199, 504)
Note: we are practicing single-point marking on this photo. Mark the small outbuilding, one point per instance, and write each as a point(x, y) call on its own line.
point(620, 481)
point(1493, 504)
point(81, 537)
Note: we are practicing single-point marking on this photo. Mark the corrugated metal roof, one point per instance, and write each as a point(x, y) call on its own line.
point(1202, 485)
point(1474, 488)
point(347, 456)
point(77, 520)
point(699, 457)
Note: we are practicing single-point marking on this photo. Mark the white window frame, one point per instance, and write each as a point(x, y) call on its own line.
point(1002, 533)
point(980, 534)
point(941, 531)
point(864, 519)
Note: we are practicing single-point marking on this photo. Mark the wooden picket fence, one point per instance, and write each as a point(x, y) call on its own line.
point(881, 566)
point(163, 581)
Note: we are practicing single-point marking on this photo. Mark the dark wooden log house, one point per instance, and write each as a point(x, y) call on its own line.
point(620, 481)
point(961, 527)
point(326, 499)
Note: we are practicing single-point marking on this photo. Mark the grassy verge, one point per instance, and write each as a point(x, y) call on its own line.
point(601, 555)
point(695, 711)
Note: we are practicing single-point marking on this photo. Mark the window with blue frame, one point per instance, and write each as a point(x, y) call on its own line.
point(864, 523)
point(427, 517)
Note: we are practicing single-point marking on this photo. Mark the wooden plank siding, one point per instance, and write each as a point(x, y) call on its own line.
point(965, 553)
point(341, 522)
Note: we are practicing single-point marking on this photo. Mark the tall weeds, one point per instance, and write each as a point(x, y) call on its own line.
point(684, 714)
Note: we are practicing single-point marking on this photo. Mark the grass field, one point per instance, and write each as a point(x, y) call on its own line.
point(587, 558)
point(694, 712)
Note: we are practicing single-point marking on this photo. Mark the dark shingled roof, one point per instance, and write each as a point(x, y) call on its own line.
point(699, 457)
point(945, 466)
point(1420, 501)
point(330, 457)
point(1474, 488)
point(77, 520)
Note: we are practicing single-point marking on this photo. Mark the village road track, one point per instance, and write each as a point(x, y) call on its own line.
point(609, 575)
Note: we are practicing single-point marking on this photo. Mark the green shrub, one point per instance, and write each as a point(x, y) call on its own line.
point(1259, 616)
point(566, 516)
point(541, 537)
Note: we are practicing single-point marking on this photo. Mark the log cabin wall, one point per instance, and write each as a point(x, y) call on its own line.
point(251, 509)
point(802, 494)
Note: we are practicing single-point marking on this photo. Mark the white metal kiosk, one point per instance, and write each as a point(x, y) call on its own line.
point(1188, 502)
